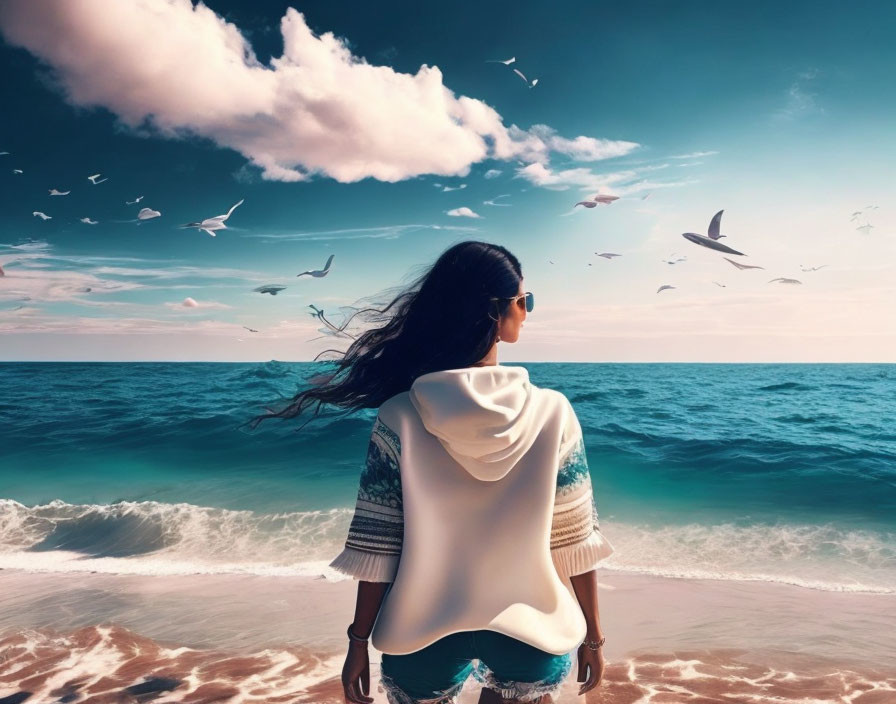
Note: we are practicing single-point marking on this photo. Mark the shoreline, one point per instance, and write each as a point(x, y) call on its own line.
point(637, 611)
point(715, 639)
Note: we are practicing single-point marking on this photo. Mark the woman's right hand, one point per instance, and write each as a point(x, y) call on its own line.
point(591, 663)
point(356, 674)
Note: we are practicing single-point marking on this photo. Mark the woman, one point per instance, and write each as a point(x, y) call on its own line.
point(472, 472)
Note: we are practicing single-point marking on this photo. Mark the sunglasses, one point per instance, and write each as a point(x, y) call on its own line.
point(530, 299)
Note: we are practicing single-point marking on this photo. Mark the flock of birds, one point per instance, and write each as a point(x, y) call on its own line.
point(214, 224)
point(512, 60)
point(208, 225)
point(711, 241)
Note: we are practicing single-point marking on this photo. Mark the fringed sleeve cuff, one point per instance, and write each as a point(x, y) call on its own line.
point(366, 566)
point(583, 556)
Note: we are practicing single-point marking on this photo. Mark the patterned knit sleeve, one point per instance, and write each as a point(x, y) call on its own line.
point(373, 547)
point(577, 544)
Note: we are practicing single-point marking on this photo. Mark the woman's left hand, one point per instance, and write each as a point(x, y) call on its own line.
point(356, 674)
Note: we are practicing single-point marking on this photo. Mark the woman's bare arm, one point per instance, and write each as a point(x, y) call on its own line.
point(367, 606)
point(585, 587)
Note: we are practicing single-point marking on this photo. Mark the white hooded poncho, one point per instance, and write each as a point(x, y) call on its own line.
point(476, 504)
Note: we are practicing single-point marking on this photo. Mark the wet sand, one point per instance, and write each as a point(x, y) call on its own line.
point(232, 638)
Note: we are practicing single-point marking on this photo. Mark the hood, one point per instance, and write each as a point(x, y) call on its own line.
point(483, 416)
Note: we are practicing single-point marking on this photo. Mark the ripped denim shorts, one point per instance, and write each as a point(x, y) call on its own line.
point(436, 674)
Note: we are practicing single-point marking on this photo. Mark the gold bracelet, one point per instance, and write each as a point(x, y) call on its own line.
point(595, 644)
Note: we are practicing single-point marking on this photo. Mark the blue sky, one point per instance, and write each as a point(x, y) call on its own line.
point(335, 121)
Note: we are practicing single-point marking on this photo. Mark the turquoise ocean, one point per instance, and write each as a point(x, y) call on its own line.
point(748, 472)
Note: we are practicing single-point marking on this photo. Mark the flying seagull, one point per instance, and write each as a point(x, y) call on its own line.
point(88, 221)
point(784, 280)
point(317, 273)
point(608, 255)
point(812, 268)
point(520, 74)
point(742, 266)
point(598, 200)
point(664, 287)
point(134, 202)
point(674, 261)
point(93, 179)
point(54, 192)
point(319, 314)
point(42, 216)
point(865, 229)
point(492, 201)
point(718, 284)
point(273, 290)
point(710, 242)
point(647, 196)
point(250, 329)
point(147, 214)
point(499, 61)
point(17, 171)
point(211, 225)
point(446, 189)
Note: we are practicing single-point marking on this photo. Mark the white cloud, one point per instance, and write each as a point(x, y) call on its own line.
point(618, 182)
point(800, 101)
point(462, 212)
point(581, 148)
point(692, 155)
point(492, 173)
point(388, 232)
point(174, 69)
point(192, 303)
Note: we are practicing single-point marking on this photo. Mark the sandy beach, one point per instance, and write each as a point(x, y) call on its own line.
point(215, 638)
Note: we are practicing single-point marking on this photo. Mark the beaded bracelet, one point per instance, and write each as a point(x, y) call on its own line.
point(595, 644)
point(352, 636)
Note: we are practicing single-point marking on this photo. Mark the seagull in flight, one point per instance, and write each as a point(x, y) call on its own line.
point(664, 287)
point(17, 171)
point(147, 213)
point(93, 179)
point(710, 241)
point(608, 255)
point(133, 202)
point(54, 192)
point(273, 290)
point(784, 280)
point(42, 216)
point(598, 200)
point(492, 201)
point(88, 221)
point(506, 62)
point(718, 284)
point(318, 273)
point(531, 84)
point(211, 225)
point(865, 229)
point(742, 266)
point(674, 261)
point(812, 268)
point(250, 329)
point(319, 314)
point(446, 189)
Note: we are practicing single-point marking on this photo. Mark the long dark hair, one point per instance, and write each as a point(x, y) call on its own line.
point(443, 320)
